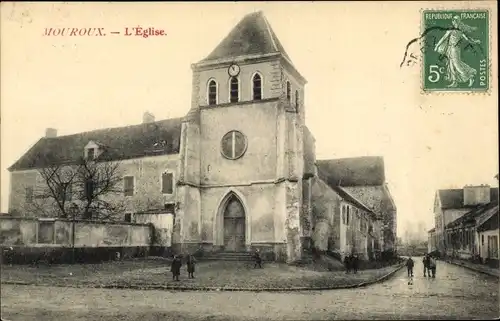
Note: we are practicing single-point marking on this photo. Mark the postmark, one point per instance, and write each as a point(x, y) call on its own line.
point(455, 51)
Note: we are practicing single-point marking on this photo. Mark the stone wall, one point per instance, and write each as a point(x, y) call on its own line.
point(28, 240)
point(34, 232)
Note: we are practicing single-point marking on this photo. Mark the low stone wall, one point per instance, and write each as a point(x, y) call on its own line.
point(31, 240)
point(65, 255)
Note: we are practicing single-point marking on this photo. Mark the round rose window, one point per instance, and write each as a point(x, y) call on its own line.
point(233, 145)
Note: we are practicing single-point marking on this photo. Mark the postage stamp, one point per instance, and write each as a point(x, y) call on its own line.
point(455, 54)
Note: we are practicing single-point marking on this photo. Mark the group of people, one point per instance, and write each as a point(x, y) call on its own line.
point(429, 266)
point(176, 265)
point(351, 263)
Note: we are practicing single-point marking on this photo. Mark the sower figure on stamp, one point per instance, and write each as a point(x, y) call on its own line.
point(457, 71)
point(409, 266)
point(190, 262)
point(176, 268)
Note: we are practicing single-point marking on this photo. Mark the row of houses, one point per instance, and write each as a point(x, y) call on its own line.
point(466, 223)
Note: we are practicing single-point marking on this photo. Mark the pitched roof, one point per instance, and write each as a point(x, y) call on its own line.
point(491, 223)
point(376, 198)
point(358, 171)
point(476, 212)
point(451, 198)
point(432, 230)
point(156, 138)
point(454, 198)
point(350, 198)
point(253, 35)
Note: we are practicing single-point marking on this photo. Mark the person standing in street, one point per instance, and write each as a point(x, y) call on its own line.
point(258, 259)
point(425, 261)
point(175, 268)
point(355, 263)
point(347, 263)
point(190, 262)
point(432, 266)
point(409, 266)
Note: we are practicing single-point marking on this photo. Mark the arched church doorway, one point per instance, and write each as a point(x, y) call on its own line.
point(234, 225)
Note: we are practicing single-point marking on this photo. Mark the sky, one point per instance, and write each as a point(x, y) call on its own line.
point(358, 100)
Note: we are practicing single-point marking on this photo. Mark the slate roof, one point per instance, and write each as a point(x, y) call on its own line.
point(476, 212)
point(377, 198)
point(253, 35)
point(156, 138)
point(454, 198)
point(358, 171)
point(490, 224)
point(350, 198)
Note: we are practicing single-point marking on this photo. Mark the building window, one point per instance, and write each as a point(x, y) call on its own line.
point(29, 194)
point(257, 87)
point(170, 208)
point(297, 100)
point(212, 92)
point(233, 145)
point(167, 183)
point(128, 185)
point(482, 239)
point(89, 189)
point(288, 91)
point(348, 215)
point(91, 153)
point(128, 217)
point(234, 90)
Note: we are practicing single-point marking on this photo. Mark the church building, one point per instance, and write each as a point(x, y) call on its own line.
point(239, 171)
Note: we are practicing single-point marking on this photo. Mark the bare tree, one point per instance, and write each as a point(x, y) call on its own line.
point(58, 181)
point(98, 179)
point(79, 190)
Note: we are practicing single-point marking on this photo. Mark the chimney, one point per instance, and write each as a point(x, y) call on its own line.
point(50, 132)
point(476, 195)
point(148, 118)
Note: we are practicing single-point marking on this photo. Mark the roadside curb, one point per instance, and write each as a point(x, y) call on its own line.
point(213, 288)
point(472, 268)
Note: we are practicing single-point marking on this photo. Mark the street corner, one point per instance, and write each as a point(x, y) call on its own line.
point(208, 276)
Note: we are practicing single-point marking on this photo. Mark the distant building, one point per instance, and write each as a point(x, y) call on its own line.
point(460, 216)
point(431, 241)
point(239, 171)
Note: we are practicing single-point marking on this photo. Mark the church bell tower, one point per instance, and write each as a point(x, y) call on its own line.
point(244, 135)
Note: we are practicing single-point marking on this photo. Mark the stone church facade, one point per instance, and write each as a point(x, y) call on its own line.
point(239, 170)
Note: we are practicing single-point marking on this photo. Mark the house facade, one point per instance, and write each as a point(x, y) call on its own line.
point(239, 171)
point(431, 241)
point(459, 215)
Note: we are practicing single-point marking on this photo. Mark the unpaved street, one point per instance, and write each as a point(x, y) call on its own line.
point(456, 293)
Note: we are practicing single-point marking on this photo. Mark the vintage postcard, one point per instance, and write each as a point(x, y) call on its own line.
point(249, 161)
